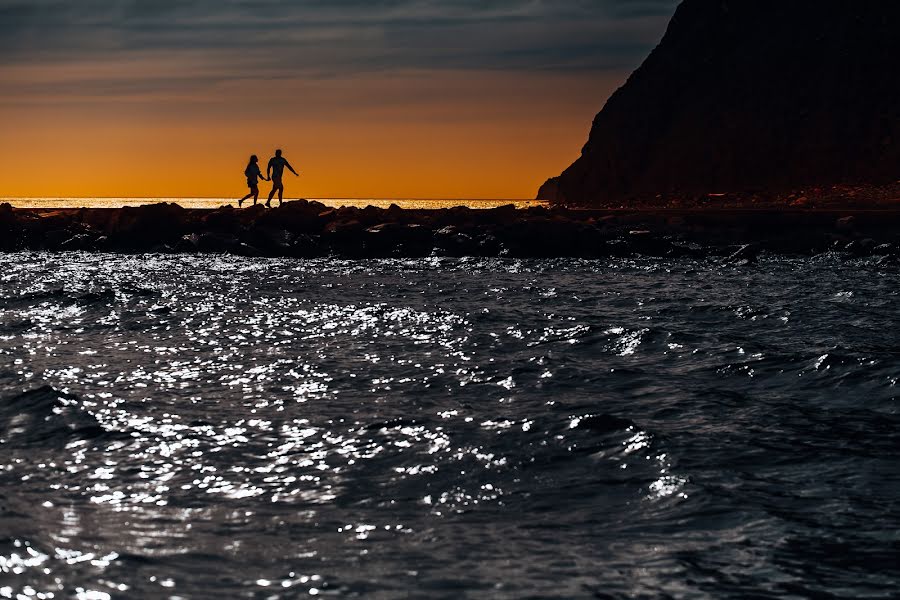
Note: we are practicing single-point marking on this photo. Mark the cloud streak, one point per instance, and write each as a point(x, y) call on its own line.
point(342, 36)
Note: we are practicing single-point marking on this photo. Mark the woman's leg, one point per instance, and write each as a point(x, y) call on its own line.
point(254, 192)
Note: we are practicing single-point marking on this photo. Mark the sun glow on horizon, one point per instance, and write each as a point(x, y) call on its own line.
point(456, 135)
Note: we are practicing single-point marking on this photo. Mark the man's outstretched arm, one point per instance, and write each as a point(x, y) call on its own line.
point(291, 169)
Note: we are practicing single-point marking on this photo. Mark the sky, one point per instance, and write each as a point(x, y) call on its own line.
point(367, 98)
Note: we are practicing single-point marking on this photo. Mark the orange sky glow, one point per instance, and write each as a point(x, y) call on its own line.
point(414, 134)
point(393, 99)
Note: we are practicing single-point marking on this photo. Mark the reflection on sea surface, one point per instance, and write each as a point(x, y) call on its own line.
point(197, 426)
point(417, 203)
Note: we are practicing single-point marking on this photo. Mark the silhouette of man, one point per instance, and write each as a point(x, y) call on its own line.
point(275, 170)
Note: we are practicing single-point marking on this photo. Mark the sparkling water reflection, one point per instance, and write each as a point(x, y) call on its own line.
point(192, 426)
point(415, 203)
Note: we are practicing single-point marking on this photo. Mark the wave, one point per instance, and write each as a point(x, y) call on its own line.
point(45, 416)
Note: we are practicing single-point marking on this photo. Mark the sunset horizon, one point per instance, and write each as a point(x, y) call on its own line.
point(166, 100)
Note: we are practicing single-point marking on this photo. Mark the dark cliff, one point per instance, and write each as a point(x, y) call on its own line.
point(746, 95)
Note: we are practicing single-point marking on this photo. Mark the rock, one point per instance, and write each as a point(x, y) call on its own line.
point(270, 241)
point(298, 216)
point(370, 214)
point(845, 223)
point(225, 219)
point(143, 226)
point(306, 246)
point(489, 245)
point(505, 213)
point(646, 243)
point(188, 244)
point(218, 243)
point(345, 238)
point(398, 239)
point(458, 216)
point(559, 232)
point(745, 95)
point(10, 229)
point(449, 241)
point(82, 241)
point(54, 239)
point(344, 229)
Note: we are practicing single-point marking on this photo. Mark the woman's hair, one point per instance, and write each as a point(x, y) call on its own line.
point(253, 159)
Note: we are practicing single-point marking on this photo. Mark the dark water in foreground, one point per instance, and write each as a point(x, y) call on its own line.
point(202, 427)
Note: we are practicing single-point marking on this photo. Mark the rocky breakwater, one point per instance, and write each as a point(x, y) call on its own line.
point(304, 229)
point(749, 96)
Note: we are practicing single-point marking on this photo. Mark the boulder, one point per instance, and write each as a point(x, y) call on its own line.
point(298, 216)
point(272, 241)
point(450, 241)
point(188, 244)
point(81, 241)
point(225, 219)
point(398, 239)
point(147, 225)
point(846, 223)
point(218, 243)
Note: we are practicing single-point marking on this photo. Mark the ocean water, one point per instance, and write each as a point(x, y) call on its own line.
point(222, 427)
point(430, 203)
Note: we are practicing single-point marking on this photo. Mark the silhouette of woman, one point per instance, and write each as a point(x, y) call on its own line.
point(253, 175)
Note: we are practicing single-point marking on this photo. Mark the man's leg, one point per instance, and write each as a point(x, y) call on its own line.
point(280, 192)
point(272, 193)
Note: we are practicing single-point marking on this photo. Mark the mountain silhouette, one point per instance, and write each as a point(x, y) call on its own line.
point(747, 95)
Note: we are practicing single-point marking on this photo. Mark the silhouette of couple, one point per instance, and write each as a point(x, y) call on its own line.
point(273, 173)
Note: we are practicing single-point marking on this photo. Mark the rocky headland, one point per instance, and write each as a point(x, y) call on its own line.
point(760, 99)
point(304, 229)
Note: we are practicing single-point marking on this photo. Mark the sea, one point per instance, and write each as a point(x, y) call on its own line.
point(210, 426)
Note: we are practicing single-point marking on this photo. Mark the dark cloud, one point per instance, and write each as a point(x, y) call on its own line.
point(335, 37)
point(193, 54)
